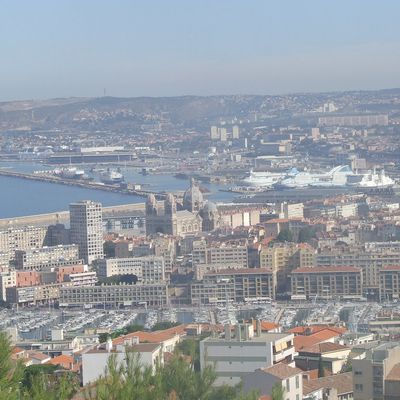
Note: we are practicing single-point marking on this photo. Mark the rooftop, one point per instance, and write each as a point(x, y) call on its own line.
point(343, 383)
point(282, 371)
point(330, 269)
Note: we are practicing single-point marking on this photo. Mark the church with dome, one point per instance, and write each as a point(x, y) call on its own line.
point(195, 216)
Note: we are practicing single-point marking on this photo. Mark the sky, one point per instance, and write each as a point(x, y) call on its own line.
point(66, 48)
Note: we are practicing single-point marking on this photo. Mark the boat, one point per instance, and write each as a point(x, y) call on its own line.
point(336, 177)
point(111, 177)
point(371, 180)
point(268, 179)
point(69, 173)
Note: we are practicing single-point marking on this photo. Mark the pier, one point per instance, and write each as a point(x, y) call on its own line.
point(81, 183)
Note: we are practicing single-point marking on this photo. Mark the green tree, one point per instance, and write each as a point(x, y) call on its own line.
point(278, 392)
point(10, 373)
point(159, 326)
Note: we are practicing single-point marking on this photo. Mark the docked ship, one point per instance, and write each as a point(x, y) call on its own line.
point(267, 179)
point(371, 180)
point(336, 177)
point(111, 177)
point(69, 173)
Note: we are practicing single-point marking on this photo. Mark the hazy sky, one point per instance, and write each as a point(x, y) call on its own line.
point(62, 48)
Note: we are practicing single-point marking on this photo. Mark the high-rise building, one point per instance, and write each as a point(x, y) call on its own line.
point(223, 134)
point(86, 229)
point(235, 132)
point(214, 133)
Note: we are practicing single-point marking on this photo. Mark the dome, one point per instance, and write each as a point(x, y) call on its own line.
point(210, 207)
point(193, 198)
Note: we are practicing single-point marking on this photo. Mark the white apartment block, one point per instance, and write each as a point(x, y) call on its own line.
point(86, 229)
point(148, 269)
point(234, 356)
point(115, 295)
point(94, 361)
point(53, 256)
point(7, 280)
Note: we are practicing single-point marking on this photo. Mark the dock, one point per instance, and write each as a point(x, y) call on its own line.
point(81, 183)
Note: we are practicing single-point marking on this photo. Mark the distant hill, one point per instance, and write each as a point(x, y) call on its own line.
point(139, 113)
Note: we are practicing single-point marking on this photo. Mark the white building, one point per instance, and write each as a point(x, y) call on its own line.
point(148, 269)
point(7, 280)
point(94, 361)
point(234, 357)
point(264, 379)
point(86, 229)
point(53, 256)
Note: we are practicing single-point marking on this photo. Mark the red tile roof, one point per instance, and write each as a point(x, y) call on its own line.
point(391, 268)
point(330, 269)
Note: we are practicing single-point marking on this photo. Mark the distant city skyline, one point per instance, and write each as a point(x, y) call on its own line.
point(155, 48)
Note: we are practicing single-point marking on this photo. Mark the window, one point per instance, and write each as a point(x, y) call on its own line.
point(297, 382)
point(297, 397)
point(358, 387)
point(287, 385)
point(357, 372)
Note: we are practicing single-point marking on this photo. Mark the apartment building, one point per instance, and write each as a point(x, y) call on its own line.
point(94, 361)
point(282, 258)
point(234, 356)
point(29, 295)
point(377, 376)
point(148, 269)
point(233, 284)
point(7, 279)
point(219, 253)
point(326, 282)
point(21, 238)
point(212, 292)
point(115, 295)
point(53, 256)
point(389, 282)
point(370, 262)
point(86, 229)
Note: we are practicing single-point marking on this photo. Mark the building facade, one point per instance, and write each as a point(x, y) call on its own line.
point(326, 283)
point(86, 229)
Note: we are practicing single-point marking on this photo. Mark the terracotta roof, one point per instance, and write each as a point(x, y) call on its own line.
point(282, 371)
point(329, 269)
point(63, 360)
point(391, 268)
point(325, 347)
point(153, 337)
point(394, 374)
point(304, 341)
point(310, 329)
point(265, 326)
point(343, 383)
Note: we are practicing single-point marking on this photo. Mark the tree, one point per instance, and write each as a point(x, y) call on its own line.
point(10, 373)
point(285, 235)
point(174, 381)
point(159, 326)
point(306, 234)
point(278, 392)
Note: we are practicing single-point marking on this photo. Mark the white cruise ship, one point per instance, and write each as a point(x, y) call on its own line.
point(371, 180)
point(267, 179)
point(336, 177)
